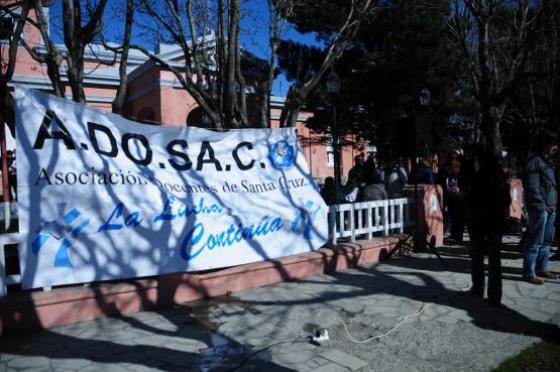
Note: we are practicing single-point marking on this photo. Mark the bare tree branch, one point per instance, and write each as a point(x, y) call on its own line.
point(299, 92)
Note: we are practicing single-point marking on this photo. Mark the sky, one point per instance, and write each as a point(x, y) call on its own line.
point(253, 33)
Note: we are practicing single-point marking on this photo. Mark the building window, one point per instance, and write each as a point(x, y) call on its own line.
point(198, 118)
point(330, 152)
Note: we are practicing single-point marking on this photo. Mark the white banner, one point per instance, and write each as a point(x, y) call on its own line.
point(106, 198)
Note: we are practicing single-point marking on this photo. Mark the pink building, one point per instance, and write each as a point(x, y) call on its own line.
point(155, 96)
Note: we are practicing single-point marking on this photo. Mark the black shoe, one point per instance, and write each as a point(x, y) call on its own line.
point(475, 292)
point(494, 303)
point(458, 239)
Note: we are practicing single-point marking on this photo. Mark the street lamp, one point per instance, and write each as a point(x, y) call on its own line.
point(422, 125)
point(422, 134)
point(425, 96)
point(333, 88)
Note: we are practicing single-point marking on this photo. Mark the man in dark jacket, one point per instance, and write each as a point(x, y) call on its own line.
point(540, 197)
point(357, 172)
point(487, 201)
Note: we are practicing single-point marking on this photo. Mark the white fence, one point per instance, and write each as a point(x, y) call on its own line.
point(6, 280)
point(356, 220)
point(367, 218)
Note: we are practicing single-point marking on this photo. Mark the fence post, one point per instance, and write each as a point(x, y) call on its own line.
point(353, 223)
point(359, 212)
point(369, 221)
point(385, 217)
point(3, 284)
point(407, 212)
point(401, 216)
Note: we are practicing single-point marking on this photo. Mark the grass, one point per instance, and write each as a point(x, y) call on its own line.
point(541, 357)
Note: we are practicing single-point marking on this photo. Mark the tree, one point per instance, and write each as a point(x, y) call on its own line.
point(496, 39)
point(8, 57)
point(123, 50)
point(389, 62)
point(356, 14)
point(77, 35)
point(219, 85)
point(534, 107)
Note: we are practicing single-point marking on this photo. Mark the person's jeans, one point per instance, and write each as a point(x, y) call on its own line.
point(540, 234)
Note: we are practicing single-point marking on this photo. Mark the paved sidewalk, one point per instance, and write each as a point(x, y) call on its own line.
point(267, 329)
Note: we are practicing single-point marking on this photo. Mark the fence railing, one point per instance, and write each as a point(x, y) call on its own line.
point(365, 219)
point(13, 240)
point(355, 220)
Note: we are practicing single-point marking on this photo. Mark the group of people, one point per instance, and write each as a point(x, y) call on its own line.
point(486, 217)
point(476, 195)
point(367, 181)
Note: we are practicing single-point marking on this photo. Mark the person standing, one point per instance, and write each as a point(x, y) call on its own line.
point(488, 199)
point(541, 196)
point(12, 174)
point(330, 192)
point(395, 180)
point(423, 173)
point(453, 197)
point(357, 172)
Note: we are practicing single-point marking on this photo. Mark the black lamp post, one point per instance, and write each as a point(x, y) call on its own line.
point(422, 125)
point(422, 149)
point(425, 96)
point(333, 88)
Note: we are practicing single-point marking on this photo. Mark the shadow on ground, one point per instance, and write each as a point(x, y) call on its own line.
point(177, 341)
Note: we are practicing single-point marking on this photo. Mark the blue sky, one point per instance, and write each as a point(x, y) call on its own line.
point(254, 33)
point(256, 19)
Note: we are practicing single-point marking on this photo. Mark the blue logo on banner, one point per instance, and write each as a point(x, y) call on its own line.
point(304, 219)
point(282, 154)
point(60, 230)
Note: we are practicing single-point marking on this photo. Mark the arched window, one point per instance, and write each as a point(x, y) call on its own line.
point(198, 118)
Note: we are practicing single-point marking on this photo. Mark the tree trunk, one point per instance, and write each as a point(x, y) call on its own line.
point(290, 111)
point(53, 58)
point(118, 102)
point(264, 104)
point(7, 71)
point(230, 88)
point(491, 117)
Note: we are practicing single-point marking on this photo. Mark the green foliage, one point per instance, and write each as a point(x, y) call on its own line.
point(401, 51)
point(322, 16)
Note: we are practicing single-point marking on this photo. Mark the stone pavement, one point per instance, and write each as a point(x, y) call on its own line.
point(405, 314)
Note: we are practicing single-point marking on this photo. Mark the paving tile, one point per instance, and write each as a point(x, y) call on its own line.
point(70, 363)
point(344, 359)
point(294, 357)
point(331, 367)
point(38, 369)
point(25, 362)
